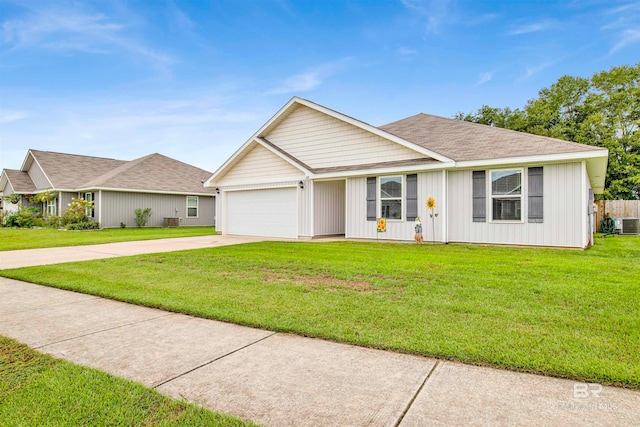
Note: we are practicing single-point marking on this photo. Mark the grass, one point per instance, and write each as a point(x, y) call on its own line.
point(14, 238)
point(573, 314)
point(36, 389)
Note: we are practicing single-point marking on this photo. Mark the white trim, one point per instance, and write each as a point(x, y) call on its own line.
point(100, 207)
point(583, 203)
point(445, 207)
point(407, 169)
point(122, 190)
point(282, 156)
point(491, 196)
point(544, 158)
point(37, 163)
point(197, 207)
point(261, 186)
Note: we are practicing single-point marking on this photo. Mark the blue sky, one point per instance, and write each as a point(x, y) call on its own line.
point(195, 79)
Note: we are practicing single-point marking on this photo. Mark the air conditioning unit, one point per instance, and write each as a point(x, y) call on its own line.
point(630, 226)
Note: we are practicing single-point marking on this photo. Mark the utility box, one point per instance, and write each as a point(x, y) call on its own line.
point(171, 222)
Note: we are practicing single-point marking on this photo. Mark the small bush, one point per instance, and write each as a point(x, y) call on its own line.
point(123, 225)
point(142, 216)
point(83, 225)
point(25, 218)
point(52, 222)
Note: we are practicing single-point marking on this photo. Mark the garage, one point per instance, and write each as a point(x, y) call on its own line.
point(269, 212)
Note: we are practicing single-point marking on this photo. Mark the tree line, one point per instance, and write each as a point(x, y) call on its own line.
point(603, 110)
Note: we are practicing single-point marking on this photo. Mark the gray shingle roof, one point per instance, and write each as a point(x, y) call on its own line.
point(460, 140)
point(154, 172)
point(68, 171)
point(20, 181)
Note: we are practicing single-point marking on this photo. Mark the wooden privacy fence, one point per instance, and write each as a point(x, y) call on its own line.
point(616, 209)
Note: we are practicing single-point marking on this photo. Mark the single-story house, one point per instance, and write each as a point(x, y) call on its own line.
point(172, 189)
point(311, 171)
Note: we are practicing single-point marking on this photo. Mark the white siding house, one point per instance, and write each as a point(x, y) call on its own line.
point(311, 172)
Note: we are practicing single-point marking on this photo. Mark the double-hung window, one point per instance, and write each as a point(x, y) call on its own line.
point(192, 206)
point(391, 197)
point(506, 195)
point(51, 207)
point(88, 197)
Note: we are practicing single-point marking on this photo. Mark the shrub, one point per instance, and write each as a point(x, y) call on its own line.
point(142, 216)
point(83, 225)
point(76, 212)
point(123, 225)
point(52, 222)
point(25, 218)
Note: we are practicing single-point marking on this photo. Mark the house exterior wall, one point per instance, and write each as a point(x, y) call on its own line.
point(563, 208)
point(117, 207)
point(357, 226)
point(260, 165)
point(38, 177)
point(328, 208)
point(320, 140)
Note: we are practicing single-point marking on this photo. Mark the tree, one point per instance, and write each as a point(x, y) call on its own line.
point(603, 111)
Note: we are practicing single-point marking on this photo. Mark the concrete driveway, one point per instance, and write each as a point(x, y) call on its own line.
point(281, 379)
point(32, 257)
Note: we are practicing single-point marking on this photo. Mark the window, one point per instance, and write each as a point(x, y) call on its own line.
point(412, 197)
point(479, 196)
point(192, 206)
point(535, 194)
point(506, 195)
point(88, 197)
point(51, 207)
point(391, 197)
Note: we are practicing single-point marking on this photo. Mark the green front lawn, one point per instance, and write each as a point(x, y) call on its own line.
point(38, 390)
point(15, 238)
point(566, 313)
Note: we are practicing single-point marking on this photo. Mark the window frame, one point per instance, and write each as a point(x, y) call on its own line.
point(493, 197)
point(197, 207)
point(51, 207)
point(400, 198)
point(88, 197)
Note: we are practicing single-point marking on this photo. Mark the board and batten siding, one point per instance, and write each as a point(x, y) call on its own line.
point(563, 211)
point(329, 208)
point(38, 177)
point(320, 140)
point(260, 165)
point(357, 226)
point(117, 207)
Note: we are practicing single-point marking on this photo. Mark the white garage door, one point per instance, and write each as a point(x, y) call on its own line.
point(272, 212)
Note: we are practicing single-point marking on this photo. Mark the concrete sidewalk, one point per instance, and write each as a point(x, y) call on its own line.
point(32, 257)
point(286, 380)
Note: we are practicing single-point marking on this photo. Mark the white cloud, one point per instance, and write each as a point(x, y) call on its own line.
point(485, 77)
point(405, 51)
point(308, 80)
point(627, 38)
point(12, 116)
point(533, 27)
point(434, 11)
point(531, 71)
point(68, 30)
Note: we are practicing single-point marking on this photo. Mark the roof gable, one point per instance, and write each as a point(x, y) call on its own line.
point(321, 140)
point(20, 181)
point(68, 171)
point(258, 160)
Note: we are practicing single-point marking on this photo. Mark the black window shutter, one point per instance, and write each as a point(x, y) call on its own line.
point(412, 197)
point(479, 196)
point(536, 206)
point(371, 198)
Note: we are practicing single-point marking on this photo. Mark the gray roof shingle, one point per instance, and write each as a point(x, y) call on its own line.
point(20, 181)
point(154, 172)
point(461, 141)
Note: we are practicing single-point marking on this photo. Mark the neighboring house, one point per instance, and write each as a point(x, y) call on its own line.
point(311, 171)
point(171, 189)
